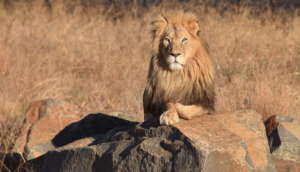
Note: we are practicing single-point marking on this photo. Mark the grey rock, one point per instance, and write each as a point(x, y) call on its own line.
point(230, 142)
point(132, 149)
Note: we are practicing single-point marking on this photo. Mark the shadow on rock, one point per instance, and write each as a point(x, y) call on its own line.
point(118, 146)
point(90, 126)
point(227, 142)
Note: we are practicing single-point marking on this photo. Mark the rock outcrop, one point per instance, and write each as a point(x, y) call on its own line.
point(56, 137)
point(46, 119)
point(233, 141)
point(43, 120)
point(223, 142)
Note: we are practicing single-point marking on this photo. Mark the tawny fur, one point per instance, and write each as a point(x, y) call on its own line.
point(188, 92)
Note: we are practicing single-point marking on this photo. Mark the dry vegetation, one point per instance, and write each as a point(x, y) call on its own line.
point(101, 64)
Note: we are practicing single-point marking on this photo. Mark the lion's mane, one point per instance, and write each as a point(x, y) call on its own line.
point(194, 84)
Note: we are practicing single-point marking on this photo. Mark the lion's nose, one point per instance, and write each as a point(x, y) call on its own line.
point(175, 54)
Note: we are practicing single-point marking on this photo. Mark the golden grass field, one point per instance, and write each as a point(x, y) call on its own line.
point(100, 63)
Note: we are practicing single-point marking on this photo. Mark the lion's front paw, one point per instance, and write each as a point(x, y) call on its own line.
point(169, 118)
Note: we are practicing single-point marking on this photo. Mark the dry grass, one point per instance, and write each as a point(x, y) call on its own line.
point(101, 64)
point(258, 64)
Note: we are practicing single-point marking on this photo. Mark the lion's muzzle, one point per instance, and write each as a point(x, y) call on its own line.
point(175, 61)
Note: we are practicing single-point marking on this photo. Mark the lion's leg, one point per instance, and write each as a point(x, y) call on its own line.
point(170, 116)
point(190, 111)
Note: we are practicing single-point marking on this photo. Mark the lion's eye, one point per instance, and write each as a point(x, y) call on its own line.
point(184, 40)
point(166, 42)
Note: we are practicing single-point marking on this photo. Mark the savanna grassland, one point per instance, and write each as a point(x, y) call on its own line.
point(98, 60)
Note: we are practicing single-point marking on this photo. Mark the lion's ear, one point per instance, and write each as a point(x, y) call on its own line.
point(158, 25)
point(193, 26)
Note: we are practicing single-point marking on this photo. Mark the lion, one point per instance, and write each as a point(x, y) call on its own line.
point(180, 82)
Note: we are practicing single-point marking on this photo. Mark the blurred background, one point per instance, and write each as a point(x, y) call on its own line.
point(95, 54)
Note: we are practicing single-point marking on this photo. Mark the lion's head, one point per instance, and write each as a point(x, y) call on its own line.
point(176, 38)
point(181, 71)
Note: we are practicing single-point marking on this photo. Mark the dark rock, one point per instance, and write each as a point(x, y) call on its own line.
point(230, 142)
point(135, 149)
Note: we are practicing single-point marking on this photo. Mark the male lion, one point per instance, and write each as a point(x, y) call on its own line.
point(181, 74)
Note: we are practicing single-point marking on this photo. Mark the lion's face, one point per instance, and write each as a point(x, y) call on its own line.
point(175, 46)
point(176, 37)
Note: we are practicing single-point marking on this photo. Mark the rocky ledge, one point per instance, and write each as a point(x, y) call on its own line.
point(227, 142)
point(223, 142)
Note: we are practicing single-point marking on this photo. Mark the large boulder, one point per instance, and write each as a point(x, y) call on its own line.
point(45, 119)
point(232, 141)
point(229, 142)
